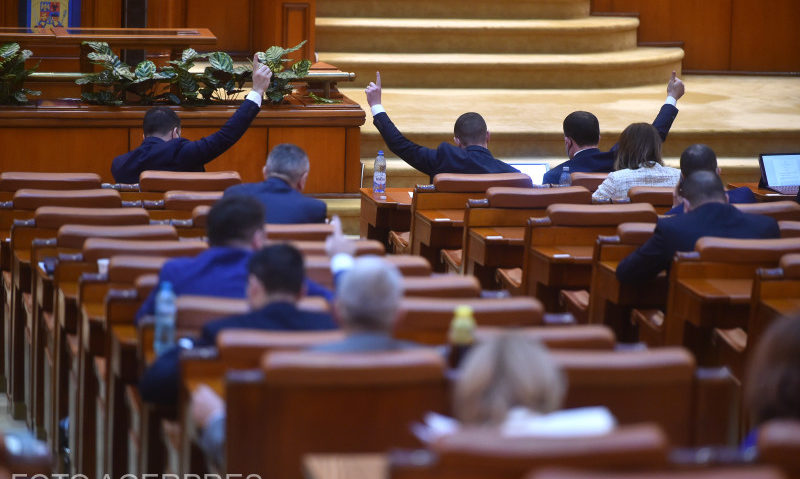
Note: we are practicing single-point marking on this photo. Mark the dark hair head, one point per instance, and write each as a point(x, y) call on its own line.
point(639, 146)
point(583, 128)
point(470, 129)
point(160, 120)
point(698, 158)
point(701, 187)
point(772, 386)
point(235, 218)
point(288, 160)
point(279, 268)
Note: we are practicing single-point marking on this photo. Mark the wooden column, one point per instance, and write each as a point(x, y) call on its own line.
point(285, 23)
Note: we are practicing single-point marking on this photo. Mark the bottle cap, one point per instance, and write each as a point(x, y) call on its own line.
point(380, 152)
point(462, 327)
point(166, 285)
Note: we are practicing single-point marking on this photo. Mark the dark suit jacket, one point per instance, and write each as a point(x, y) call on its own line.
point(736, 195)
point(595, 161)
point(181, 154)
point(159, 383)
point(446, 158)
point(681, 232)
point(218, 271)
point(283, 204)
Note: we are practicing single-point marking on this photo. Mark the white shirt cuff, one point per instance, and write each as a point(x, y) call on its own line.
point(671, 101)
point(254, 97)
point(341, 262)
point(378, 109)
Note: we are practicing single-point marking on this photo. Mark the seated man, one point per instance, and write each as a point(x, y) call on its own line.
point(164, 149)
point(275, 285)
point(235, 229)
point(707, 214)
point(702, 158)
point(582, 137)
point(285, 176)
point(367, 302)
point(470, 155)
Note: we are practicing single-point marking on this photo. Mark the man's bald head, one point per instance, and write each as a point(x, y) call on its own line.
point(703, 187)
point(698, 157)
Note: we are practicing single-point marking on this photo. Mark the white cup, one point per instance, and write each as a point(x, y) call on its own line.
point(102, 266)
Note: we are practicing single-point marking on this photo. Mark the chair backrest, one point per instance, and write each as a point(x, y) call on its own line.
point(780, 210)
point(200, 216)
point(193, 312)
point(779, 445)
point(660, 197)
point(11, 181)
point(790, 264)
point(747, 472)
point(299, 232)
point(163, 181)
point(127, 268)
point(97, 248)
point(600, 215)
point(427, 320)
point(470, 183)
point(73, 236)
point(366, 402)
point(362, 247)
point(789, 229)
point(582, 336)
point(30, 199)
point(505, 197)
point(637, 386)
point(727, 250)
point(318, 268)
point(244, 348)
point(57, 216)
point(442, 286)
point(590, 181)
point(189, 200)
point(486, 453)
point(635, 233)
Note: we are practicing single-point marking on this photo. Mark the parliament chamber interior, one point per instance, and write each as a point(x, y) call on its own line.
point(221, 258)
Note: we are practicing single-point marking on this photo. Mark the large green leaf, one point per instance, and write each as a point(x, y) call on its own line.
point(19, 95)
point(188, 55)
point(301, 68)
point(145, 70)
point(9, 49)
point(221, 61)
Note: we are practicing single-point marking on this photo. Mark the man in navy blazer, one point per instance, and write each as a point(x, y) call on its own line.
point(708, 214)
point(582, 137)
point(285, 176)
point(470, 155)
point(701, 157)
point(164, 149)
point(275, 284)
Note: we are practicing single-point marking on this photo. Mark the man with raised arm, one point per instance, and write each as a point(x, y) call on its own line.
point(470, 135)
point(582, 136)
point(164, 149)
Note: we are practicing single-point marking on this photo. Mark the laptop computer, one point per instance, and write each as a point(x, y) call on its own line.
point(780, 172)
point(533, 169)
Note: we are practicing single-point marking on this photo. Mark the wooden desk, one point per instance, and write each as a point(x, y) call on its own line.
point(494, 247)
point(346, 466)
point(383, 213)
point(762, 194)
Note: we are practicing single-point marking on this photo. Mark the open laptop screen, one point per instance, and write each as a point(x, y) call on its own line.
point(781, 169)
point(535, 170)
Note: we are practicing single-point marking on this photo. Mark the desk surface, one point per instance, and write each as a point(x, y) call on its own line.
point(762, 194)
point(393, 198)
point(346, 466)
point(514, 235)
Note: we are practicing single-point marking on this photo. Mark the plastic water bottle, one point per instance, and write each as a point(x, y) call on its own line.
point(379, 174)
point(461, 335)
point(564, 179)
point(165, 318)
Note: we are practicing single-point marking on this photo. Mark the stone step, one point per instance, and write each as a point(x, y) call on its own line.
point(639, 66)
point(400, 175)
point(496, 9)
point(421, 35)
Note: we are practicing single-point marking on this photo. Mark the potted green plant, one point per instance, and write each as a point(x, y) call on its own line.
point(13, 75)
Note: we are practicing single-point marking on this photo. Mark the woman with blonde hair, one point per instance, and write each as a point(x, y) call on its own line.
point(638, 163)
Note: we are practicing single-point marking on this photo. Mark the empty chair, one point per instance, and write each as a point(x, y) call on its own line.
point(11, 181)
point(594, 337)
point(244, 348)
point(361, 248)
point(780, 210)
point(442, 286)
point(789, 229)
point(661, 197)
point(299, 232)
point(590, 181)
point(99, 248)
point(163, 181)
point(318, 268)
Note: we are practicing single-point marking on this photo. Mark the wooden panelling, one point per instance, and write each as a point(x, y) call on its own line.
point(101, 13)
point(738, 35)
point(167, 14)
point(9, 14)
point(229, 20)
point(62, 149)
point(285, 23)
point(766, 35)
point(325, 148)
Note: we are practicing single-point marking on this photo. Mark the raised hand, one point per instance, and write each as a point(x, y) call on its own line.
point(675, 87)
point(337, 242)
point(261, 76)
point(374, 91)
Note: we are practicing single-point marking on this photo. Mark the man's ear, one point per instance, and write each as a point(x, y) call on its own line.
point(256, 294)
point(259, 239)
point(488, 136)
point(719, 171)
point(301, 183)
point(687, 207)
point(457, 141)
point(265, 172)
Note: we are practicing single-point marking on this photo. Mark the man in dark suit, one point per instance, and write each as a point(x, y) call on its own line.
point(582, 137)
point(469, 155)
point(164, 149)
point(285, 176)
point(702, 158)
point(275, 284)
point(708, 214)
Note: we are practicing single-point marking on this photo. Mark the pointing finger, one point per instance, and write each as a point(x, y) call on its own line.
point(255, 60)
point(378, 79)
point(337, 226)
point(674, 75)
